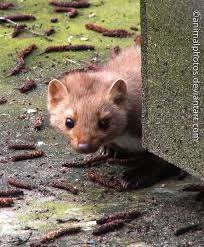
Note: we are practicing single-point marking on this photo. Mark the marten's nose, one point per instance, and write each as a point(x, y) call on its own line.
point(84, 147)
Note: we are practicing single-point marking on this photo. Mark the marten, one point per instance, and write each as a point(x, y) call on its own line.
point(95, 109)
point(103, 108)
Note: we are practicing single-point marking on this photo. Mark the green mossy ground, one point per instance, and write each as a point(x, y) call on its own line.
point(40, 210)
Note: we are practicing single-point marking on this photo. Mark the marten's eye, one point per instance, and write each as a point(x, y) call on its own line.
point(103, 123)
point(69, 123)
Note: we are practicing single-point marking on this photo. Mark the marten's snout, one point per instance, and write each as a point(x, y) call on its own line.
point(86, 148)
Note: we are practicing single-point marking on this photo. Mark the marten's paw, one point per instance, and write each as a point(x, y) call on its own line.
point(113, 151)
point(108, 151)
point(147, 173)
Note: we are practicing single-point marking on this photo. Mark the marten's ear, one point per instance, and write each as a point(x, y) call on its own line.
point(118, 92)
point(57, 91)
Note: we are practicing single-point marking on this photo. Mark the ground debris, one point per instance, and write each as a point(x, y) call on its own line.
point(93, 66)
point(110, 182)
point(65, 186)
point(19, 184)
point(69, 48)
point(38, 123)
point(73, 4)
point(138, 39)
point(27, 86)
point(21, 116)
point(188, 228)
point(11, 192)
point(3, 100)
point(86, 163)
point(128, 214)
point(18, 29)
point(23, 146)
point(122, 162)
point(49, 31)
point(25, 156)
point(108, 227)
point(194, 188)
point(6, 202)
point(53, 20)
point(116, 50)
point(5, 6)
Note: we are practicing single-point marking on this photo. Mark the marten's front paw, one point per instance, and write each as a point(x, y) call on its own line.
point(113, 151)
point(148, 174)
point(109, 151)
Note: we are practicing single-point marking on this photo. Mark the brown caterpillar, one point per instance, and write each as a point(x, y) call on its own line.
point(121, 33)
point(65, 186)
point(25, 52)
point(69, 48)
point(27, 86)
point(129, 214)
point(52, 235)
point(94, 27)
point(74, 4)
point(20, 59)
point(18, 146)
point(103, 180)
point(118, 33)
point(108, 227)
point(25, 156)
point(20, 17)
point(20, 65)
point(19, 184)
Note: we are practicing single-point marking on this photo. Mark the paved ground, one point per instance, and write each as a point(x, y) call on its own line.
point(165, 208)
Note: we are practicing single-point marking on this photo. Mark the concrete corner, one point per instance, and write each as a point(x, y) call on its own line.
point(173, 76)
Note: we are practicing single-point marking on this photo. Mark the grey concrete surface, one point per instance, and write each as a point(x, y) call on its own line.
point(173, 104)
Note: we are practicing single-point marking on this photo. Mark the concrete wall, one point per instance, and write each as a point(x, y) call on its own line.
point(171, 91)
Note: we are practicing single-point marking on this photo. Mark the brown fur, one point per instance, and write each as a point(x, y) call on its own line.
point(88, 97)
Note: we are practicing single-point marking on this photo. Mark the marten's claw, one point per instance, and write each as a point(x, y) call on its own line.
point(125, 184)
point(108, 151)
point(103, 151)
point(115, 155)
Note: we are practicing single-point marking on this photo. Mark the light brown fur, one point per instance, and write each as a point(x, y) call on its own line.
point(88, 97)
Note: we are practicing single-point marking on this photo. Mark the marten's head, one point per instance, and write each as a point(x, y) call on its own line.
point(87, 110)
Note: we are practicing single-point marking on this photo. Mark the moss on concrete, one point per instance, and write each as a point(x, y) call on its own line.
point(39, 209)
